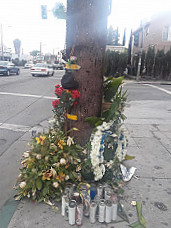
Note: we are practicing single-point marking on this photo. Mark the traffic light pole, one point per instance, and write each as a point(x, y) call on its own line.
point(2, 45)
point(140, 55)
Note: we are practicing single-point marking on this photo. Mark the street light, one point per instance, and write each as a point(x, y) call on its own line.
point(41, 50)
point(2, 45)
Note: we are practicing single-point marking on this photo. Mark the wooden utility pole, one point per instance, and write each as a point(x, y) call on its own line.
point(86, 32)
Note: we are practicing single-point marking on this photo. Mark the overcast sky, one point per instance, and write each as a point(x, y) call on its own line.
point(22, 19)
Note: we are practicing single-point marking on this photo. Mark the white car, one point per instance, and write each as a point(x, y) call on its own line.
point(28, 65)
point(41, 69)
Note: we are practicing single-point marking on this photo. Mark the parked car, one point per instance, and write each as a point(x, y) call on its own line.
point(7, 68)
point(28, 65)
point(41, 69)
point(58, 66)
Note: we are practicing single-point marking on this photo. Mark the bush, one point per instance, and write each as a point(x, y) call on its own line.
point(115, 63)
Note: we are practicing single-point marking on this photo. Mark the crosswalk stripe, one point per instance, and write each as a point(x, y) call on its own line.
point(27, 95)
point(156, 87)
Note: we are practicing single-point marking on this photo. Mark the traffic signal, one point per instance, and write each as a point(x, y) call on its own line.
point(44, 11)
point(136, 39)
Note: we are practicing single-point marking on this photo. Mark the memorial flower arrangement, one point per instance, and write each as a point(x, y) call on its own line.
point(54, 159)
point(108, 142)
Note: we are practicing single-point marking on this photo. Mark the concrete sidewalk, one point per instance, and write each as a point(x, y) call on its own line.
point(149, 138)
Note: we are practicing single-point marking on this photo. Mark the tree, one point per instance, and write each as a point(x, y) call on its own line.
point(124, 37)
point(59, 11)
point(86, 34)
point(149, 63)
point(17, 46)
point(116, 37)
point(110, 36)
point(34, 52)
point(130, 49)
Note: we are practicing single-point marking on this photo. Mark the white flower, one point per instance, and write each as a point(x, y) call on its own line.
point(34, 192)
point(48, 202)
point(38, 156)
point(78, 168)
point(67, 177)
point(109, 164)
point(53, 172)
point(22, 184)
point(70, 141)
point(26, 154)
point(56, 164)
point(52, 121)
point(28, 195)
point(46, 158)
point(63, 161)
point(55, 184)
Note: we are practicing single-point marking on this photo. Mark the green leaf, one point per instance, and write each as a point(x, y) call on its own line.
point(74, 174)
point(111, 88)
point(141, 223)
point(94, 121)
point(139, 212)
point(136, 225)
point(38, 184)
point(122, 213)
point(45, 191)
point(128, 157)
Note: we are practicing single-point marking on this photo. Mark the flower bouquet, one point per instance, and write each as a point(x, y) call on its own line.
point(53, 161)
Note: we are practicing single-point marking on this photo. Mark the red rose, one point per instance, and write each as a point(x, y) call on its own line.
point(75, 103)
point(55, 103)
point(57, 86)
point(59, 90)
point(75, 93)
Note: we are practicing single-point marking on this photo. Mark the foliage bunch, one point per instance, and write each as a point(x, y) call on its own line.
point(59, 11)
point(115, 62)
point(53, 160)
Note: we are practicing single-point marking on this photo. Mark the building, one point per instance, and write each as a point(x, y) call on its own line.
point(5, 53)
point(156, 34)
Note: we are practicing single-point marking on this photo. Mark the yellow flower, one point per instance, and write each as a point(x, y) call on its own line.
point(30, 161)
point(47, 175)
point(25, 192)
point(61, 143)
point(60, 177)
point(40, 139)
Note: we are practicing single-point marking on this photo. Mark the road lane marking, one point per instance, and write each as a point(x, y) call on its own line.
point(15, 127)
point(27, 95)
point(156, 87)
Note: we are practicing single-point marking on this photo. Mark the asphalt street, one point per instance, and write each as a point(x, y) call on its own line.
point(25, 103)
